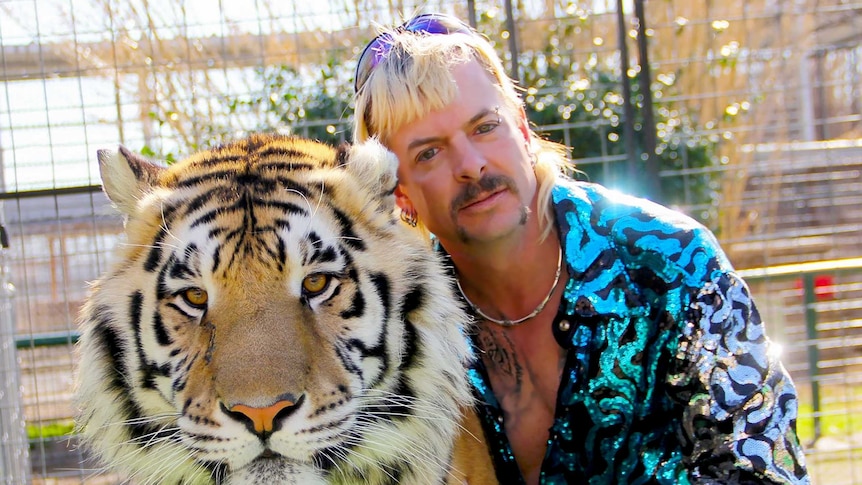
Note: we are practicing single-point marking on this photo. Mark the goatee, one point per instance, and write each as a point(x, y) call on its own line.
point(488, 183)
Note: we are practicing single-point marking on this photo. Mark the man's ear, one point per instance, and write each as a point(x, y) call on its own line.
point(523, 124)
point(402, 200)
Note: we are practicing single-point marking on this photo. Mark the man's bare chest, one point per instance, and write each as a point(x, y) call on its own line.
point(524, 367)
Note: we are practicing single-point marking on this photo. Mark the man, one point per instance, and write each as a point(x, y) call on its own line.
point(615, 342)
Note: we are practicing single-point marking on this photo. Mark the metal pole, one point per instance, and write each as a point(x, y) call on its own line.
point(653, 183)
point(471, 13)
point(513, 43)
point(813, 351)
point(14, 446)
point(628, 109)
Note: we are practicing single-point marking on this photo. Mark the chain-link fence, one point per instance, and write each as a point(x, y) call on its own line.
point(745, 114)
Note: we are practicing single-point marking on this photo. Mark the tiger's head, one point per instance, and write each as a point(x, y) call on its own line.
point(268, 320)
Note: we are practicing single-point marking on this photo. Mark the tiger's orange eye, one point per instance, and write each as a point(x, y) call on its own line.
point(315, 284)
point(196, 297)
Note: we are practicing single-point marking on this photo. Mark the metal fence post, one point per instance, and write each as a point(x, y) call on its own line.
point(813, 351)
point(14, 446)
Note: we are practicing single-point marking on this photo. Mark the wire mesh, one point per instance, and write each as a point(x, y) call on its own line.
point(765, 92)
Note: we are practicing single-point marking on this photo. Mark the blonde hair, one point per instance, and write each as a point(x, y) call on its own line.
point(415, 78)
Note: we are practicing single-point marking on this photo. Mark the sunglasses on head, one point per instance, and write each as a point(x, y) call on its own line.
point(379, 47)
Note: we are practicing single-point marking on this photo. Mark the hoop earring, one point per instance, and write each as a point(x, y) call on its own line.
point(409, 216)
point(534, 159)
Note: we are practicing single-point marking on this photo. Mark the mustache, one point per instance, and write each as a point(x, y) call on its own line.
point(488, 183)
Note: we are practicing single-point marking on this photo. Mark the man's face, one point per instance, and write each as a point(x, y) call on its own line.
point(465, 168)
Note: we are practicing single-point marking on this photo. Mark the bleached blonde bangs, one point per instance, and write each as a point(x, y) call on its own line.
point(415, 78)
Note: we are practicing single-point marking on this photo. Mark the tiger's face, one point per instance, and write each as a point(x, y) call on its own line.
point(268, 320)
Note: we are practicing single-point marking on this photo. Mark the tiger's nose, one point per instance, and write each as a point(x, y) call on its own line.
point(263, 421)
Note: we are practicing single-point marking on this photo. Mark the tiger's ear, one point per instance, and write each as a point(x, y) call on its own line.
point(373, 166)
point(126, 177)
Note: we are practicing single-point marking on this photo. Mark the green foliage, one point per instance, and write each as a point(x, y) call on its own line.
point(583, 108)
point(57, 429)
point(840, 413)
point(148, 152)
point(312, 102)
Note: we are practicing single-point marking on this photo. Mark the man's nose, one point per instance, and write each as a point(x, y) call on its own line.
point(469, 161)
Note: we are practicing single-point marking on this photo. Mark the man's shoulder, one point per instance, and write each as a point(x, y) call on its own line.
point(642, 232)
point(607, 206)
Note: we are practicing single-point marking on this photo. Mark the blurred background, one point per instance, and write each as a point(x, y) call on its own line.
point(745, 114)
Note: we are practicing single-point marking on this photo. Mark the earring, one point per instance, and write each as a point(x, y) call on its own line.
point(534, 159)
point(409, 216)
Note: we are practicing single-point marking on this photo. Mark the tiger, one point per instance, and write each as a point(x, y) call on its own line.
point(269, 319)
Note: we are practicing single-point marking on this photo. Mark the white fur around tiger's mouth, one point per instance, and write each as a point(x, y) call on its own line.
point(274, 469)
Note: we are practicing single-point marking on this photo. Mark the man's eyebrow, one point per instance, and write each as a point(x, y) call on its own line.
point(485, 112)
point(422, 141)
point(475, 119)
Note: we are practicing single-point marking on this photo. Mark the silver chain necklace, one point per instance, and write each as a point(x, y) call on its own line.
point(511, 323)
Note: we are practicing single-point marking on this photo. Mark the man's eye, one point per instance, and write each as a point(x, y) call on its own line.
point(426, 155)
point(487, 127)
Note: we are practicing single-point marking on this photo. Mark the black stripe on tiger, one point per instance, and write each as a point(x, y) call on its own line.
point(161, 332)
point(216, 257)
point(381, 285)
point(411, 354)
point(215, 176)
point(136, 302)
point(320, 253)
point(181, 372)
point(378, 350)
point(155, 254)
point(295, 187)
point(357, 308)
point(234, 237)
point(162, 290)
point(285, 166)
point(250, 242)
point(218, 156)
point(412, 301)
point(105, 336)
point(281, 252)
point(183, 269)
point(349, 366)
point(286, 158)
point(348, 235)
point(245, 203)
point(201, 200)
point(409, 340)
point(253, 182)
point(396, 407)
point(149, 370)
point(313, 241)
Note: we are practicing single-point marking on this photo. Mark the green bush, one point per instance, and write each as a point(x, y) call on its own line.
point(43, 431)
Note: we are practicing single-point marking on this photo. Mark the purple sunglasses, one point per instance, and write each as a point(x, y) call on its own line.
point(378, 48)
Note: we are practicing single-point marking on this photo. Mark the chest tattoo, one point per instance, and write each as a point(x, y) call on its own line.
point(500, 357)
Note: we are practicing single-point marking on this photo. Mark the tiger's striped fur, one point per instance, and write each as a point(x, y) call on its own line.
point(268, 320)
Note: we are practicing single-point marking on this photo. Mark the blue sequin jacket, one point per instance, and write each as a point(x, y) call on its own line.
point(669, 377)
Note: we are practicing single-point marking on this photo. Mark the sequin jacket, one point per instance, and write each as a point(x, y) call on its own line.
point(669, 377)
